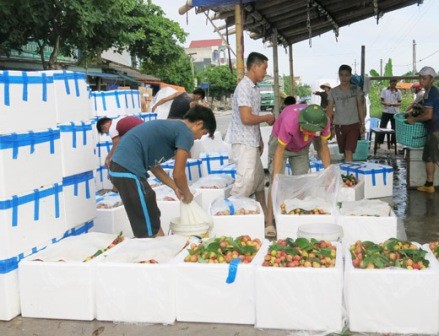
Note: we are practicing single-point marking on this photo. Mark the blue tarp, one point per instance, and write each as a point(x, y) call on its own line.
point(206, 3)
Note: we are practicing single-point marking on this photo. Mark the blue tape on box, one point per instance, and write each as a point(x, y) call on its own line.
point(15, 141)
point(73, 128)
point(66, 76)
point(24, 80)
point(75, 180)
point(35, 197)
point(233, 270)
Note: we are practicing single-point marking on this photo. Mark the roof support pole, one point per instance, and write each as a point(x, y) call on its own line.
point(239, 42)
point(290, 60)
point(275, 73)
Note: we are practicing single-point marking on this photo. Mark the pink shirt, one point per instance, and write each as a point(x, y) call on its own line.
point(286, 128)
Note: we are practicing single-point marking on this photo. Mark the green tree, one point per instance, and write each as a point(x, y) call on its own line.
point(177, 71)
point(222, 81)
point(299, 90)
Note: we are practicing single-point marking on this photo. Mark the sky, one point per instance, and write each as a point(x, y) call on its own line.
point(391, 38)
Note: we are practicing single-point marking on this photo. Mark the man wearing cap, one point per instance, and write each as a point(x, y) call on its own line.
point(295, 129)
point(326, 87)
point(391, 99)
point(417, 96)
point(430, 118)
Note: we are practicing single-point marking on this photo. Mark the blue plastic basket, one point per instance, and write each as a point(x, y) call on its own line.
point(410, 135)
point(362, 151)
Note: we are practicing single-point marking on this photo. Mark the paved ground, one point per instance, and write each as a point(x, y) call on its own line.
point(418, 213)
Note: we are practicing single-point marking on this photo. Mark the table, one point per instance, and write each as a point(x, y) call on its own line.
point(385, 131)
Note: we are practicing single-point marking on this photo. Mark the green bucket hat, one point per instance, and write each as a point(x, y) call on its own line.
point(313, 118)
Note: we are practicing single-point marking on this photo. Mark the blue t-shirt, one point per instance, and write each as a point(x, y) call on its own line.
point(431, 100)
point(152, 143)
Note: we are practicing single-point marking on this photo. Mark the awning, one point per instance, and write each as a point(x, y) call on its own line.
point(128, 78)
point(103, 75)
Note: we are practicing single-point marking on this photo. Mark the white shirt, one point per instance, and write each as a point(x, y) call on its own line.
point(246, 94)
point(391, 97)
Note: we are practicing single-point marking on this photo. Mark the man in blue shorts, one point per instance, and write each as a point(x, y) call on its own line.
point(430, 118)
point(144, 148)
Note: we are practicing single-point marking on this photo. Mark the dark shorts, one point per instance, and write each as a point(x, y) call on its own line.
point(133, 200)
point(347, 137)
point(431, 148)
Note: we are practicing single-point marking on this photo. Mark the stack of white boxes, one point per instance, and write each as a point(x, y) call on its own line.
point(114, 104)
point(35, 158)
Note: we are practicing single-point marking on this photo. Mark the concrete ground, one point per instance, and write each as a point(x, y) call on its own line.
point(418, 212)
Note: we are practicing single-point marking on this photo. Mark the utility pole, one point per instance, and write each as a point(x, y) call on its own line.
point(414, 57)
point(239, 42)
point(355, 66)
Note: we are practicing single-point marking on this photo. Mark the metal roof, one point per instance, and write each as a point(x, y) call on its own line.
point(298, 20)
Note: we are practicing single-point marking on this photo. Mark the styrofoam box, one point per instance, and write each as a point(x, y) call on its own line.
point(300, 298)
point(378, 178)
point(9, 296)
point(170, 210)
point(31, 219)
point(27, 101)
point(193, 168)
point(102, 178)
point(229, 169)
point(29, 161)
point(9, 288)
point(218, 302)
point(109, 103)
point(60, 290)
point(209, 195)
point(238, 225)
point(416, 174)
point(371, 228)
point(113, 220)
point(102, 149)
point(79, 199)
point(132, 101)
point(334, 152)
point(71, 95)
point(77, 148)
point(355, 193)
point(211, 161)
point(392, 300)
point(287, 225)
point(148, 116)
point(134, 292)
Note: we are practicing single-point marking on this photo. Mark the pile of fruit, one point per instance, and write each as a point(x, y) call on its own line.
point(148, 261)
point(300, 253)
point(349, 180)
point(223, 250)
point(392, 253)
point(300, 211)
point(434, 247)
point(238, 212)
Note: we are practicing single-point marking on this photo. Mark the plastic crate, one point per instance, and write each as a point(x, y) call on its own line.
point(410, 135)
point(362, 150)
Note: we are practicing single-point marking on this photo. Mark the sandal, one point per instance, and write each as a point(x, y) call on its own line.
point(270, 231)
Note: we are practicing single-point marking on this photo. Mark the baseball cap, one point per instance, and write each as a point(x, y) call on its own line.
point(427, 71)
point(313, 118)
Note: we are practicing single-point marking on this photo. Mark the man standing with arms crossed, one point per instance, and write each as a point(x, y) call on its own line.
point(244, 133)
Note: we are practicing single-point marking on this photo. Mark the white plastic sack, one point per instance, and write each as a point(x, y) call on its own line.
point(160, 249)
point(193, 214)
point(219, 181)
point(322, 185)
point(234, 206)
point(308, 204)
point(76, 248)
point(365, 208)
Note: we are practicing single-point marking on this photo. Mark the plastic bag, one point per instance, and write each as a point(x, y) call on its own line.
point(365, 208)
point(320, 186)
point(234, 206)
point(193, 214)
point(220, 181)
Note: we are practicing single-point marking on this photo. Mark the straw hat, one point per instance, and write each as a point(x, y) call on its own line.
point(325, 84)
